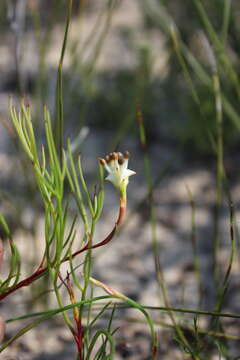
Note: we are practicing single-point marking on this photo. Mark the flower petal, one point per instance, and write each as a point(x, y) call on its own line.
point(116, 165)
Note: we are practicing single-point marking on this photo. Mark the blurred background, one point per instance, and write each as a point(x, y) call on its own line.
point(173, 65)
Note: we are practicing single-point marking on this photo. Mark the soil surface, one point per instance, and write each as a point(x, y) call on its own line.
point(127, 263)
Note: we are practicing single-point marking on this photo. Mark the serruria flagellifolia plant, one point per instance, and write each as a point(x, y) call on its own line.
point(54, 174)
point(116, 164)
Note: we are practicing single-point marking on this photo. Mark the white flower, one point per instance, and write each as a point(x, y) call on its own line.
point(116, 165)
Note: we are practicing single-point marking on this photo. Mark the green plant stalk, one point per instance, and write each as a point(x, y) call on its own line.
point(100, 313)
point(220, 170)
point(188, 328)
point(84, 186)
point(95, 210)
point(96, 51)
point(41, 270)
point(32, 190)
point(161, 18)
point(158, 269)
point(177, 48)
point(54, 276)
point(123, 306)
point(206, 79)
point(43, 41)
point(226, 20)
point(141, 80)
point(223, 288)
point(47, 315)
point(134, 304)
point(194, 244)
point(109, 339)
point(179, 332)
point(74, 184)
point(148, 176)
point(59, 122)
point(86, 275)
point(218, 45)
point(88, 258)
point(86, 69)
point(158, 13)
point(88, 327)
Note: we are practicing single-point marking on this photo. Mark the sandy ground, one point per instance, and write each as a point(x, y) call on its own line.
point(126, 264)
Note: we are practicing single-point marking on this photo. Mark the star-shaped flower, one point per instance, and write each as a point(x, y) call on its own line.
point(116, 165)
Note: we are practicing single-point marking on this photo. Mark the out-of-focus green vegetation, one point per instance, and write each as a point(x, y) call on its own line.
point(197, 34)
point(203, 39)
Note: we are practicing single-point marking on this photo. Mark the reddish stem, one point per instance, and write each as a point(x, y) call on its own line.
point(24, 282)
point(79, 339)
point(78, 333)
point(122, 211)
point(41, 270)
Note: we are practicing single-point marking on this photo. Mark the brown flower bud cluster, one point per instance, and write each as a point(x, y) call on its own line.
point(115, 156)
